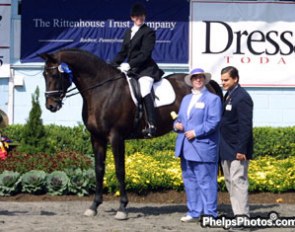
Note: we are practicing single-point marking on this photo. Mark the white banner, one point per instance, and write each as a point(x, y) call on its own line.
point(256, 37)
point(5, 18)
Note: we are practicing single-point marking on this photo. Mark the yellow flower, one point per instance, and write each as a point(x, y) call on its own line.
point(220, 179)
point(117, 193)
point(261, 175)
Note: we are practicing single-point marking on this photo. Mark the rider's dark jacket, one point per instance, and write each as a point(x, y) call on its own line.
point(138, 52)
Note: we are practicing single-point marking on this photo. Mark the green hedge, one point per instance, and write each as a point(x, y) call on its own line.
point(275, 142)
point(59, 138)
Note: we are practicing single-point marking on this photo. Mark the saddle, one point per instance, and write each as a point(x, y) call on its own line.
point(162, 93)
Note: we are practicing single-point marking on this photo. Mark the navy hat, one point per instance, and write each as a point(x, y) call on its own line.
point(137, 10)
point(187, 78)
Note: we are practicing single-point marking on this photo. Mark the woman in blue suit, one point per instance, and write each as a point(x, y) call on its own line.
point(197, 145)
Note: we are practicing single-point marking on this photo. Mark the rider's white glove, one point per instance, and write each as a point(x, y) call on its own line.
point(124, 67)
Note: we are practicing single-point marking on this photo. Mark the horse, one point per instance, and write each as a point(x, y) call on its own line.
point(108, 110)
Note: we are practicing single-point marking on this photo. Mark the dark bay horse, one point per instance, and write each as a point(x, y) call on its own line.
point(108, 110)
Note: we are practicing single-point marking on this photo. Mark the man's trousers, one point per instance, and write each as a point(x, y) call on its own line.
point(236, 180)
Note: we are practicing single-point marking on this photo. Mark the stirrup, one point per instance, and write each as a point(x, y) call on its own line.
point(150, 132)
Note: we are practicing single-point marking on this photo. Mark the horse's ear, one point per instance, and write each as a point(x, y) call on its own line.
point(47, 57)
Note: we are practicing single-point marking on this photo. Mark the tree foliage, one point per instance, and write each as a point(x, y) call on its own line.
point(33, 140)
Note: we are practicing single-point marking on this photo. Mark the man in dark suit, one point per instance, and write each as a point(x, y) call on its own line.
point(137, 47)
point(236, 139)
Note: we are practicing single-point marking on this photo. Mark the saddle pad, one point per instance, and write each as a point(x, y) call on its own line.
point(164, 92)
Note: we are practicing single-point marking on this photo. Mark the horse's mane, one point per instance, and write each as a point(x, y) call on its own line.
point(95, 60)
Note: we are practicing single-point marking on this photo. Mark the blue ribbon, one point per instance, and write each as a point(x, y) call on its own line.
point(67, 70)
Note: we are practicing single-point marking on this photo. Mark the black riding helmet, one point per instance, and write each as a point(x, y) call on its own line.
point(137, 9)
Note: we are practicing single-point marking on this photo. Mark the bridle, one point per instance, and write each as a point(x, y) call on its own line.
point(66, 71)
point(59, 93)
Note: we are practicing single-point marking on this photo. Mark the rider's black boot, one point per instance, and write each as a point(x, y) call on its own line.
point(151, 116)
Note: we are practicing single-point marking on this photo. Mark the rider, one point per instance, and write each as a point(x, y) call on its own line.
point(137, 47)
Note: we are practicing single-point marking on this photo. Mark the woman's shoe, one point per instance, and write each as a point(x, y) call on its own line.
point(189, 218)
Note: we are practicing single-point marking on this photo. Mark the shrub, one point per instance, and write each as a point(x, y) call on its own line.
point(9, 183)
point(278, 142)
point(57, 183)
point(33, 136)
point(47, 162)
point(150, 164)
point(62, 138)
point(151, 146)
point(33, 182)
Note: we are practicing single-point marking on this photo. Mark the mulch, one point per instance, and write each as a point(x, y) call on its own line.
point(164, 197)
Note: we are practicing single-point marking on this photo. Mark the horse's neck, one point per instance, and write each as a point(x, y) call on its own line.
point(85, 74)
point(92, 77)
point(93, 84)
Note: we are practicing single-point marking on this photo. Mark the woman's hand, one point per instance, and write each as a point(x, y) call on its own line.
point(190, 134)
point(178, 126)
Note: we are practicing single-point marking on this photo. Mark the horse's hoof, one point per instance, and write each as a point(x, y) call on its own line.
point(121, 215)
point(90, 213)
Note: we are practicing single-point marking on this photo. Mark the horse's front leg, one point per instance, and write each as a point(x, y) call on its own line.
point(118, 148)
point(99, 149)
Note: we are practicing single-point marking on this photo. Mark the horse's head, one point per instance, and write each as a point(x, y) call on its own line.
point(58, 78)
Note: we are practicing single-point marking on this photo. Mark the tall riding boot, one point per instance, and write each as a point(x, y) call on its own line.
point(151, 116)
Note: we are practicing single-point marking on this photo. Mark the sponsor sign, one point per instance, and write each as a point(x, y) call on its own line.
point(256, 37)
point(99, 26)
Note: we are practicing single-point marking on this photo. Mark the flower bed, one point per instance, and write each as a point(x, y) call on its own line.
point(144, 173)
point(150, 164)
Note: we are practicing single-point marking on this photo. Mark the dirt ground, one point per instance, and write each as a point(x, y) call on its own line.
point(165, 197)
point(154, 212)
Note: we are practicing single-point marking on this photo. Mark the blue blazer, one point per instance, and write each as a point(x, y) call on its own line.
point(204, 119)
point(236, 126)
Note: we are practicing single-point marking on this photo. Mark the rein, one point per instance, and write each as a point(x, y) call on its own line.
point(48, 93)
point(92, 87)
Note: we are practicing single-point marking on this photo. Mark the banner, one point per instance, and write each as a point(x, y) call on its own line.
point(5, 12)
point(99, 26)
point(258, 38)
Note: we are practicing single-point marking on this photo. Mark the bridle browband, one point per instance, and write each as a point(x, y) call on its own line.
point(61, 93)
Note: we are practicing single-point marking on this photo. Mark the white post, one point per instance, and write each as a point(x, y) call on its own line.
point(11, 97)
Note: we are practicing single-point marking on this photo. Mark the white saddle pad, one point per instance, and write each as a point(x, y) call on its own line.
point(164, 92)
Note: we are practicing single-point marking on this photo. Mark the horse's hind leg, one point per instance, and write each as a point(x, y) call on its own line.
point(99, 149)
point(118, 147)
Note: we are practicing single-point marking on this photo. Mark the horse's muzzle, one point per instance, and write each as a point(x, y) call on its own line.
point(53, 104)
point(53, 108)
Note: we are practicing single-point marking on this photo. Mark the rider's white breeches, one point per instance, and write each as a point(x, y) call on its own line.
point(146, 84)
